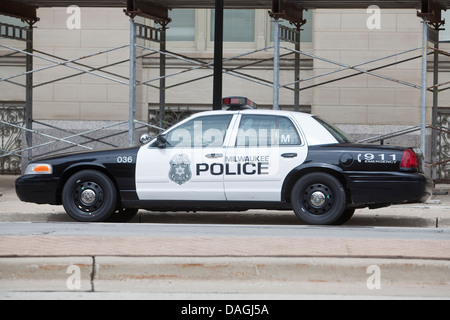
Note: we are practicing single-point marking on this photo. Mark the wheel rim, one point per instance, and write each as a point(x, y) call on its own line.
point(88, 197)
point(318, 199)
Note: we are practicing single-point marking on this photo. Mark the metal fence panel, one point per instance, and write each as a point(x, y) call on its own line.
point(11, 137)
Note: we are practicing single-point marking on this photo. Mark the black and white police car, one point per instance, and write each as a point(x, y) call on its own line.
point(232, 160)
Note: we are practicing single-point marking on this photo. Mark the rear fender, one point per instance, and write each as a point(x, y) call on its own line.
point(302, 170)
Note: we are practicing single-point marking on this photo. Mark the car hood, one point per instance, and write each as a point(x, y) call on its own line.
point(88, 156)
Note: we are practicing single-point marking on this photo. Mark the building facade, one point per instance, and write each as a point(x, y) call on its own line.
point(338, 44)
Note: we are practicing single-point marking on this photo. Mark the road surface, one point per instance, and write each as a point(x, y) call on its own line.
point(221, 230)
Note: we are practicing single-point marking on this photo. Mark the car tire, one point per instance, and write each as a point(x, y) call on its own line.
point(89, 196)
point(346, 216)
point(318, 199)
point(123, 215)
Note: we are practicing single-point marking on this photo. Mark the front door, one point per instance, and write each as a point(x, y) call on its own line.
point(190, 166)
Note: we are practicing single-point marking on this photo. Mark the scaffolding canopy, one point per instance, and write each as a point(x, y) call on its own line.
point(264, 4)
point(156, 8)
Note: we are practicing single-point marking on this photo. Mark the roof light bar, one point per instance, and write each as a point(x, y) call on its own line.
point(239, 103)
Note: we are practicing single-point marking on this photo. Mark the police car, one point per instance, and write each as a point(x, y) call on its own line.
point(233, 160)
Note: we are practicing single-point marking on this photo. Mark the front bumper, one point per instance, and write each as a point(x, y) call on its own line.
point(387, 188)
point(38, 189)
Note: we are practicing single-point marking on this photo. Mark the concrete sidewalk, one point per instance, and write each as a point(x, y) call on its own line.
point(244, 275)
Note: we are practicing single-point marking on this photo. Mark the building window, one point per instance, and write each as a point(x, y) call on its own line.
point(13, 21)
point(238, 25)
point(182, 27)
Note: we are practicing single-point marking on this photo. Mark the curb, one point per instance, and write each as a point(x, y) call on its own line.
point(43, 274)
point(250, 275)
point(417, 217)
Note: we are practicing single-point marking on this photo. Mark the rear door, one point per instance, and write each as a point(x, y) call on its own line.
point(262, 152)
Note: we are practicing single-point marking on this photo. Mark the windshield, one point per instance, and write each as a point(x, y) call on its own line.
point(340, 136)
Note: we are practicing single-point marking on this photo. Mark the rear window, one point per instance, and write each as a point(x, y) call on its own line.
point(340, 136)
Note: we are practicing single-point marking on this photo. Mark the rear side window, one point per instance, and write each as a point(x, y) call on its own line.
point(266, 131)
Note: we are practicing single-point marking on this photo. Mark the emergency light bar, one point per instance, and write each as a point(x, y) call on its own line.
point(238, 103)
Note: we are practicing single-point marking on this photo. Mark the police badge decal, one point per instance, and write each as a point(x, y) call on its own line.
point(180, 169)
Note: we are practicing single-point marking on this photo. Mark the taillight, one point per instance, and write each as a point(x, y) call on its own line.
point(409, 160)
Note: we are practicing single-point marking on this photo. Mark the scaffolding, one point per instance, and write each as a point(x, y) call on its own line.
point(432, 23)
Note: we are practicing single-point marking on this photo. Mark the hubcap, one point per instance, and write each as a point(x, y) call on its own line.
point(88, 197)
point(318, 199)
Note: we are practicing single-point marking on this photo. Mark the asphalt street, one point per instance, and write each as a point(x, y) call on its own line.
point(74, 229)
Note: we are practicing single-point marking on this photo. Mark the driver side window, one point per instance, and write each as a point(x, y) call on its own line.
point(202, 132)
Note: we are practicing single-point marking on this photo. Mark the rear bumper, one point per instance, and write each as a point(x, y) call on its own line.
point(38, 189)
point(387, 188)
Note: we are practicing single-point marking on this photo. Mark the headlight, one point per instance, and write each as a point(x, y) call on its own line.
point(39, 168)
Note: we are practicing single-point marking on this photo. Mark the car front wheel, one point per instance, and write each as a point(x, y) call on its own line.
point(318, 199)
point(89, 196)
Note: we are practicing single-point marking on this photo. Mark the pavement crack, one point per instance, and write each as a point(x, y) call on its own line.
point(93, 274)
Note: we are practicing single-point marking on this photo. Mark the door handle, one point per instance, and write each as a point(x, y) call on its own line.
point(289, 155)
point(214, 155)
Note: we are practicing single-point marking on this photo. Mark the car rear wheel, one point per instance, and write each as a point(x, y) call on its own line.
point(89, 196)
point(319, 199)
point(346, 216)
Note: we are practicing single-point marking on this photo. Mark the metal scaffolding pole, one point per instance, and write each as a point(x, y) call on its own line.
point(29, 90)
point(218, 56)
point(434, 133)
point(423, 120)
point(297, 70)
point(162, 73)
point(132, 84)
point(276, 65)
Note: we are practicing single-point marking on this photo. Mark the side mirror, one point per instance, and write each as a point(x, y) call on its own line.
point(161, 141)
point(145, 138)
